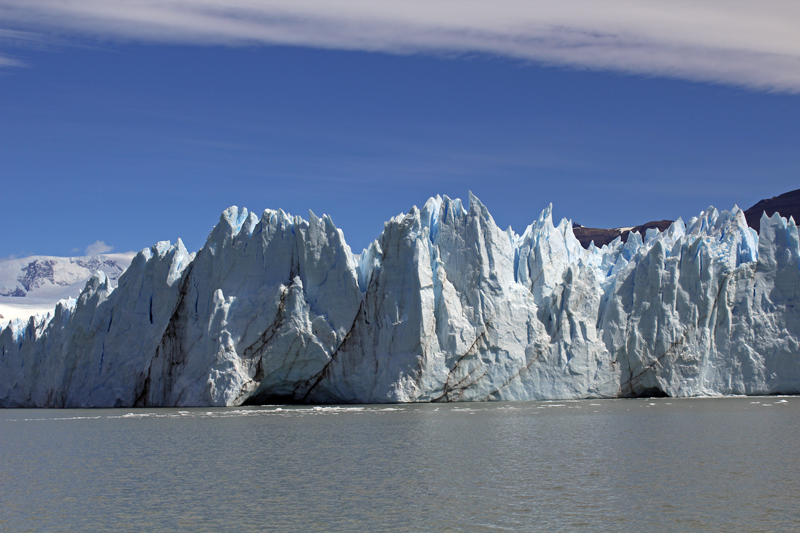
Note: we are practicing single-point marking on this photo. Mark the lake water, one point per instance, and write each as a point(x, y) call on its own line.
point(729, 464)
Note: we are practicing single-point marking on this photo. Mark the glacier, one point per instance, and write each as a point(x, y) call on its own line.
point(444, 306)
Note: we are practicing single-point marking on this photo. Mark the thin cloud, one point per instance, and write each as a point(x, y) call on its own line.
point(11, 257)
point(98, 247)
point(6, 61)
point(739, 42)
point(17, 39)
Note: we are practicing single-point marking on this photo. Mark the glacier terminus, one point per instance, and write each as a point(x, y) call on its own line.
point(443, 306)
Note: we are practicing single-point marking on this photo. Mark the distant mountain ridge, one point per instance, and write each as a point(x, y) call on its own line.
point(42, 271)
point(34, 284)
point(36, 274)
point(601, 236)
point(787, 204)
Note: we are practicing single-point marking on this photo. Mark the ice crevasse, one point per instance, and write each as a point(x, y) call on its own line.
point(443, 306)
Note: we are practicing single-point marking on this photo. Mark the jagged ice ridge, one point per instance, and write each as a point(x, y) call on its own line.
point(444, 306)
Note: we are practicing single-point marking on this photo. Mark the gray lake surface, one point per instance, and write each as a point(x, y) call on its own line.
point(718, 464)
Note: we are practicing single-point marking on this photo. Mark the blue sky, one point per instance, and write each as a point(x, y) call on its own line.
point(132, 127)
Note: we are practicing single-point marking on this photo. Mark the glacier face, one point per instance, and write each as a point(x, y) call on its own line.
point(444, 306)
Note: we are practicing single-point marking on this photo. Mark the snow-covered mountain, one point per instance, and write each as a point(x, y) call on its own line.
point(444, 306)
point(35, 284)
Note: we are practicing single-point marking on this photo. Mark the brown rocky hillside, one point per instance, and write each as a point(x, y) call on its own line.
point(787, 204)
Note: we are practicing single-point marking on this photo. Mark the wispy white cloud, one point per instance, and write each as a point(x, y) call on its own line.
point(740, 42)
point(19, 255)
point(98, 247)
point(17, 39)
point(6, 61)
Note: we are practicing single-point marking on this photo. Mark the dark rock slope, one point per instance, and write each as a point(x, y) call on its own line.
point(787, 204)
point(601, 236)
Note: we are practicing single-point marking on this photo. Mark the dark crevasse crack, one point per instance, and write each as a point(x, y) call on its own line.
point(636, 378)
point(545, 267)
point(459, 385)
point(141, 398)
point(318, 377)
point(170, 349)
point(674, 345)
point(257, 348)
point(527, 365)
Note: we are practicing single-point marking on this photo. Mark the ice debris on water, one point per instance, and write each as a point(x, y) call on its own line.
point(443, 306)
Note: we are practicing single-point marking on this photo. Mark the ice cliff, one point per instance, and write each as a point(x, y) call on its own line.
point(444, 306)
